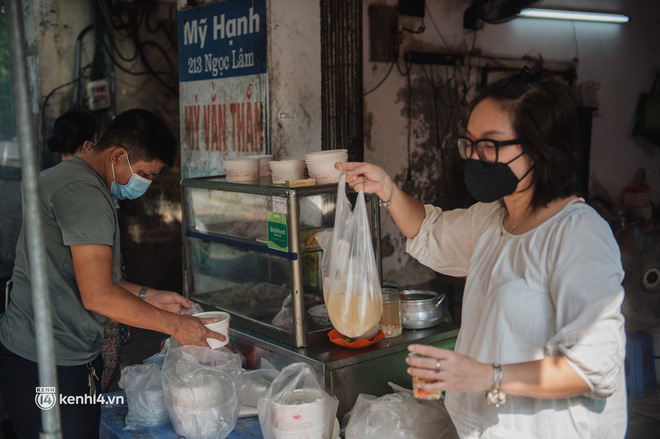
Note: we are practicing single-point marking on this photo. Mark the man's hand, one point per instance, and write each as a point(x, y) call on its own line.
point(167, 300)
point(190, 330)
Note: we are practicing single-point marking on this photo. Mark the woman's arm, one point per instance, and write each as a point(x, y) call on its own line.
point(408, 213)
point(551, 377)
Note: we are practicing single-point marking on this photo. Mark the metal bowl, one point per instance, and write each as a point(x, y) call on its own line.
point(423, 309)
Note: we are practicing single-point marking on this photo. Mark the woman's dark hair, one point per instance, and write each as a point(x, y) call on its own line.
point(143, 134)
point(70, 131)
point(544, 116)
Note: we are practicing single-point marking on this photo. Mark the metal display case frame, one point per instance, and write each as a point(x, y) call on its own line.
point(302, 335)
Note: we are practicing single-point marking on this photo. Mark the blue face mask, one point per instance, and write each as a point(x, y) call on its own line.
point(135, 187)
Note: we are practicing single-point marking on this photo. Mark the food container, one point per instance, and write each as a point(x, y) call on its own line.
point(241, 169)
point(283, 170)
point(417, 381)
point(221, 326)
point(423, 309)
point(264, 168)
point(390, 319)
point(320, 317)
point(321, 165)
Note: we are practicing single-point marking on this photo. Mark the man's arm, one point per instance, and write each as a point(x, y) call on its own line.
point(92, 265)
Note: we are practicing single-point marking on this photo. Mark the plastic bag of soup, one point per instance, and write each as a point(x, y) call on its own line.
point(202, 391)
point(296, 406)
point(351, 288)
point(144, 391)
point(398, 416)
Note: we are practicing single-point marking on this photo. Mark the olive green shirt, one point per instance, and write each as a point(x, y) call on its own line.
point(76, 209)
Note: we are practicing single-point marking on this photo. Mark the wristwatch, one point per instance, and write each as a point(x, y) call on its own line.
point(143, 292)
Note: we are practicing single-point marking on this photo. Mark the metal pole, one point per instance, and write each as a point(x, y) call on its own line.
point(50, 419)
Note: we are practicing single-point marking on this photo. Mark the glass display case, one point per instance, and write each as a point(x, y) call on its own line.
point(251, 250)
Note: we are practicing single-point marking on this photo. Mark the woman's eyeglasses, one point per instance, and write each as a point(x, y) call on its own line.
point(486, 149)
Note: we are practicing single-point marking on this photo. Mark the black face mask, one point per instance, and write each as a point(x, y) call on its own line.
point(490, 181)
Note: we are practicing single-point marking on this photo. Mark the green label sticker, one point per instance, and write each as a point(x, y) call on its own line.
point(278, 236)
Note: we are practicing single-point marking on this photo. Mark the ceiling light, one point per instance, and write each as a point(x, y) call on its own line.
point(573, 15)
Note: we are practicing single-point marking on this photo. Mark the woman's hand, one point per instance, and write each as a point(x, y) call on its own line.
point(368, 178)
point(448, 370)
point(190, 330)
point(167, 300)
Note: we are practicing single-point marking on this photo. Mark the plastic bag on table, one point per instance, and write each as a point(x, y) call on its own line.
point(202, 391)
point(158, 358)
point(144, 391)
point(398, 416)
point(296, 406)
point(284, 318)
point(257, 383)
point(352, 287)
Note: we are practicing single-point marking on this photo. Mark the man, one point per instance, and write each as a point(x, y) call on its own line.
point(81, 234)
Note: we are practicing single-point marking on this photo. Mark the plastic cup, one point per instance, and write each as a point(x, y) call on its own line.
point(416, 381)
point(390, 320)
point(222, 327)
point(241, 169)
point(283, 170)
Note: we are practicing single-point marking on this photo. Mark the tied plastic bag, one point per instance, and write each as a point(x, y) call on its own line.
point(296, 407)
point(398, 416)
point(158, 358)
point(352, 287)
point(202, 391)
point(144, 391)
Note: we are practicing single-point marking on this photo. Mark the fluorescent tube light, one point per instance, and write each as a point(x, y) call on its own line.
point(573, 15)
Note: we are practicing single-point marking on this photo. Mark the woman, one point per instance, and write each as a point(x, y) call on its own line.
point(541, 348)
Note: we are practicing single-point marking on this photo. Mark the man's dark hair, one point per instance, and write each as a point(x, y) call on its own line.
point(544, 116)
point(143, 134)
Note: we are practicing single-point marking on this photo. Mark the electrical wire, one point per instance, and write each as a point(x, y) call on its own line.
point(419, 30)
point(129, 29)
point(382, 80)
point(409, 172)
point(428, 11)
point(575, 39)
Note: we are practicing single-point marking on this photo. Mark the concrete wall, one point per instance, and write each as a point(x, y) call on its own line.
point(151, 237)
point(294, 76)
point(623, 59)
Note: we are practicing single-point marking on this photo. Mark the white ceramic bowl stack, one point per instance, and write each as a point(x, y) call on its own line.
point(321, 164)
point(242, 169)
point(283, 170)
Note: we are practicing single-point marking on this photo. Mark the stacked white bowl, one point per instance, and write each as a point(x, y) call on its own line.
point(321, 164)
point(283, 170)
point(241, 169)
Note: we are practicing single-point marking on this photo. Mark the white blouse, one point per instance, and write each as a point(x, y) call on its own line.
point(555, 289)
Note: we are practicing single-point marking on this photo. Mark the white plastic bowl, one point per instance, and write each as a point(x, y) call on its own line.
point(241, 169)
point(283, 170)
point(324, 171)
point(326, 153)
point(264, 169)
point(222, 327)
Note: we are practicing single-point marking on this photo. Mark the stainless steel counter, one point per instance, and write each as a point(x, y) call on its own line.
point(346, 372)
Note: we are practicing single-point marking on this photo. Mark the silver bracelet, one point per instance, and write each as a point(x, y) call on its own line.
point(382, 203)
point(143, 293)
point(495, 394)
